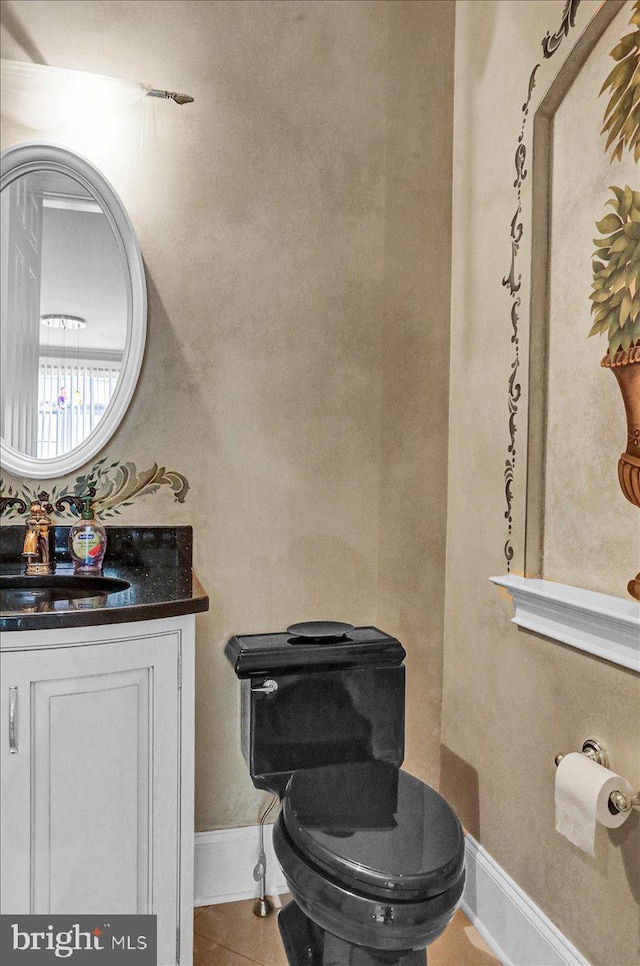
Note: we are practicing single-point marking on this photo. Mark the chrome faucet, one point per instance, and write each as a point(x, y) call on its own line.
point(38, 539)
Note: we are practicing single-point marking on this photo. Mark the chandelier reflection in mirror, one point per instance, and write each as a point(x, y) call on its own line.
point(73, 392)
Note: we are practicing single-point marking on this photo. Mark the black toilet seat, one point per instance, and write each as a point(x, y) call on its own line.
point(372, 827)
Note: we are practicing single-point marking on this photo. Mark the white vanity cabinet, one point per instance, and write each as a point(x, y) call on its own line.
point(97, 774)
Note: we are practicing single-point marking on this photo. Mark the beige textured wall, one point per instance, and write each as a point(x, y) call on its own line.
point(513, 699)
point(294, 223)
point(415, 352)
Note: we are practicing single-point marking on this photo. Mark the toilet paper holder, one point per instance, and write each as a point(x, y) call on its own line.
point(618, 801)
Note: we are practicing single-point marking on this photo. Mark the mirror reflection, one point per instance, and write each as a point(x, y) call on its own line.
point(63, 326)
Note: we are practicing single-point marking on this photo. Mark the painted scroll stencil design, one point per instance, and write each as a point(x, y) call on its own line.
point(513, 280)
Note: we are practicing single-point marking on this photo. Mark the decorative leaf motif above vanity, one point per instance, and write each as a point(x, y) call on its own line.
point(116, 484)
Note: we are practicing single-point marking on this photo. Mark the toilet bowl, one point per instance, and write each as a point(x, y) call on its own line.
point(373, 857)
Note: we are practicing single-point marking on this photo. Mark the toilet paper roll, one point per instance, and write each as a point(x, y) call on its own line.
point(582, 799)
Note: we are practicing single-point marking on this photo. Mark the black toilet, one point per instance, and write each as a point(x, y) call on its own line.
point(373, 857)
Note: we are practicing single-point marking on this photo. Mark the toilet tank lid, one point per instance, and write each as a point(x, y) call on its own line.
point(252, 654)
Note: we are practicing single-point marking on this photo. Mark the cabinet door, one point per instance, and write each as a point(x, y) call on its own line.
point(90, 781)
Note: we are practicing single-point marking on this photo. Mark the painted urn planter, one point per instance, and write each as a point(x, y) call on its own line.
point(626, 368)
point(615, 307)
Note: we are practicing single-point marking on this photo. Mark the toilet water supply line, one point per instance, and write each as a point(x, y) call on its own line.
point(263, 906)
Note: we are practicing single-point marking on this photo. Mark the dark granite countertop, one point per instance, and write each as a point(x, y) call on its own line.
point(154, 561)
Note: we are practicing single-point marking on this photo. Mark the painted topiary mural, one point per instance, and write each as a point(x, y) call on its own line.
point(615, 299)
point(622, 114)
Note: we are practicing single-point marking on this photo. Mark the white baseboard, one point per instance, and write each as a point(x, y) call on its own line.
point(515, 928)
point(224, 863)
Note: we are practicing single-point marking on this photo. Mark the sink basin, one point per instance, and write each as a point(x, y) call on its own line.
point(21, 593)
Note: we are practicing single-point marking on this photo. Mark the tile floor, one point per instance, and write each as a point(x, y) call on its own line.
point(230, 935)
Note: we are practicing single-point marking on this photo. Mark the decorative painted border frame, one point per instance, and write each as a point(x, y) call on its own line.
point(513, 280)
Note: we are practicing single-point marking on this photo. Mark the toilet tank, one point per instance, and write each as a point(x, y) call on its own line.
point(305, 703)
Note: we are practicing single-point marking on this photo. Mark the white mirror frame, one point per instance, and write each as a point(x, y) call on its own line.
point(21, 159)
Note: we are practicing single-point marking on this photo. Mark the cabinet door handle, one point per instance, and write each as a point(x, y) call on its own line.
point(13, 724)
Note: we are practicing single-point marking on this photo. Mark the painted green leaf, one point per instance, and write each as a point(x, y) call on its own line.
point(619, 244)
point(614, 336)
point(598, 328)
point(619, 195)
point(622, 49)
point(632, 275)
point(619, 76)
point(625, 308)
point(614, 323)
point(617, 119)
point(631, 123)
point(619, 111)
point(609, 224)
point(626, 337)
point(620, 283)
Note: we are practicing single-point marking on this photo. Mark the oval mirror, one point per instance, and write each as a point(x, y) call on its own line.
point(74, 311)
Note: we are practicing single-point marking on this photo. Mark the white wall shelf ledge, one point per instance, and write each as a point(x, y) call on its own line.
point(599, 624)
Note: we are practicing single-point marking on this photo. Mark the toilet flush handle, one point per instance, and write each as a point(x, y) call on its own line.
point(268, 687)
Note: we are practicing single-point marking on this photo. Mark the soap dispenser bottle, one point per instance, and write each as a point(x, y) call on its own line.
point(87, 542)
